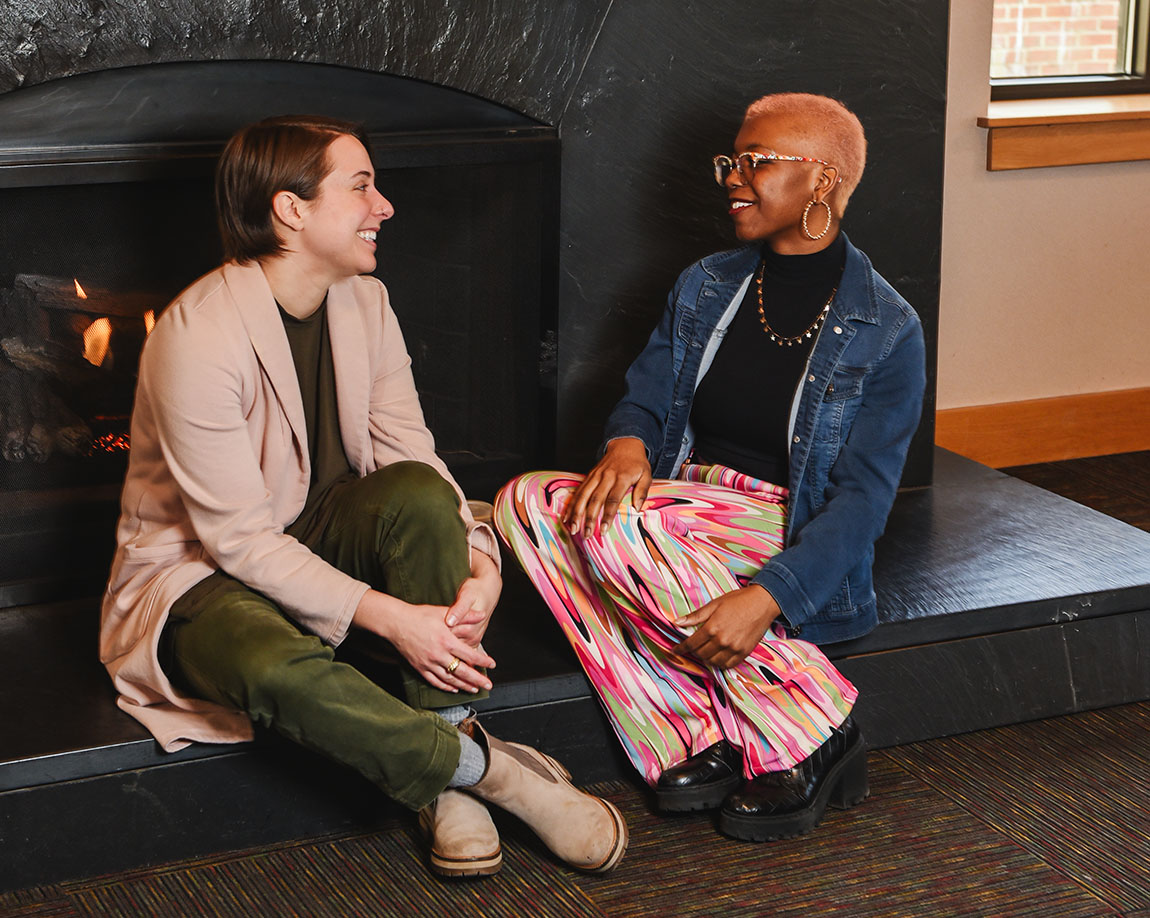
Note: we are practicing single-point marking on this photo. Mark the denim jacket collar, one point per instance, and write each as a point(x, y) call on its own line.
point(855, 300)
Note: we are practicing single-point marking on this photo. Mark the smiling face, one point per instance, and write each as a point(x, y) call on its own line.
point(338, 226)
point(767, 205)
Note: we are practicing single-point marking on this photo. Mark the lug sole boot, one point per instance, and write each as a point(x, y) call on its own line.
point(464, 841)
point(701, 782)
point(579, 828)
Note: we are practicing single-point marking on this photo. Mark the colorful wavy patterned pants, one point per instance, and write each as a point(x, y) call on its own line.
point(617, 597)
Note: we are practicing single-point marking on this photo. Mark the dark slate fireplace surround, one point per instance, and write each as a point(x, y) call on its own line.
point(640, 94)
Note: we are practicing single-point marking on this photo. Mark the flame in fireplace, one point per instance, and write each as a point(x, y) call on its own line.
point(149, 321)
point(97, 338)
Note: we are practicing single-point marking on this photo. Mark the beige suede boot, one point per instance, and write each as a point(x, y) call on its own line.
point(464, 842)
point(579, 828)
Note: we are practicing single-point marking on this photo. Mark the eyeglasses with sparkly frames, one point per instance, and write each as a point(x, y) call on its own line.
point(745, 163)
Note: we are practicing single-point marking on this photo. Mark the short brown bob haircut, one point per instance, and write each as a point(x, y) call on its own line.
point(288, 153)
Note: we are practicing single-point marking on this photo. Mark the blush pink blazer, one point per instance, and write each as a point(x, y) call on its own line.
point(219, 467)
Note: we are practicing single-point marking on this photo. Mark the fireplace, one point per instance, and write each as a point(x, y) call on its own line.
point(106, 213)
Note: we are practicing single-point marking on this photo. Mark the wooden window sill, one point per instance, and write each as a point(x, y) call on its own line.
point(1031, 133)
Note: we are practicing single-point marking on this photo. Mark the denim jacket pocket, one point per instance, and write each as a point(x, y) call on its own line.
point(841, 401)
point(846, 383)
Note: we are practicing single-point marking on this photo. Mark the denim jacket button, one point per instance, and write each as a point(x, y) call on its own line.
point(838, 329)
point(811, 378)
point(798, 439)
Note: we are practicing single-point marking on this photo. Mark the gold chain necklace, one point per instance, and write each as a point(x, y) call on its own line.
point(810, 330)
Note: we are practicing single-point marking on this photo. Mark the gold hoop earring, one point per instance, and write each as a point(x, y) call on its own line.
point(806, 210)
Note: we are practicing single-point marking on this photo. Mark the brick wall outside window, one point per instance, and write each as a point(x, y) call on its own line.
point(1057, 37)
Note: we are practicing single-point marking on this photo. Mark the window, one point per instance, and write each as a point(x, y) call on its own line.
point(1042, 48)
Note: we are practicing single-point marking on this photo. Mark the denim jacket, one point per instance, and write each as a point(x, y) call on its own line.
point(858, 404)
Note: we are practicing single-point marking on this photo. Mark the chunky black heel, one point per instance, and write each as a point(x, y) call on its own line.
point(853, 785)
point(784, 804)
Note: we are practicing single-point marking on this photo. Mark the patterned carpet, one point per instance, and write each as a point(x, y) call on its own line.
point(1047, 819)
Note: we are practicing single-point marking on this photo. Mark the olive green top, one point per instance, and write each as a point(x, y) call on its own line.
point(315, 370)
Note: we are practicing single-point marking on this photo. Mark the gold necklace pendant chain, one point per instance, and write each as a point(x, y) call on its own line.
point(808, 332)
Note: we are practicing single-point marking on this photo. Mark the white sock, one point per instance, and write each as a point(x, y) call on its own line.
point(472, 763)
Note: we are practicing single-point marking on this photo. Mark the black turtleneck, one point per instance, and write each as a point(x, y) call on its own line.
point(742, 405)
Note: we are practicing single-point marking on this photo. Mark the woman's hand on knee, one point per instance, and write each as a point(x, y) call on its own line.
point(624, 467)
point(422, 636)
point(729, 627)
point(470, 614)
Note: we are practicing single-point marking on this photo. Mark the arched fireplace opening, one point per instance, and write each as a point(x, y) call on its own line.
point(106, 212)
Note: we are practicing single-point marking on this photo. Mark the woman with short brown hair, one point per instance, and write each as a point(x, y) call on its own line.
point(284, 499)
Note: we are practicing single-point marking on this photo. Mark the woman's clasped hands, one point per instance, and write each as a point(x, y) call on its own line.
point(442, 645)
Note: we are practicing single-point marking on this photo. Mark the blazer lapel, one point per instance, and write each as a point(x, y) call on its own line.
point(352, 372)
point(257, 308)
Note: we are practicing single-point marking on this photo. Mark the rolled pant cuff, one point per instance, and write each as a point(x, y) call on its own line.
point(440, 768)
point(428, 698)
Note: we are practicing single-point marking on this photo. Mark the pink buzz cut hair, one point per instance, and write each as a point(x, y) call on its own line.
point(833, 132)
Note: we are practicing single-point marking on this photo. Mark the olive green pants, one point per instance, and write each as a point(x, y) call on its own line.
point(399, 530)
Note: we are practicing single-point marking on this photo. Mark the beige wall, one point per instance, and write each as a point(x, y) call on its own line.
point(1045, 272)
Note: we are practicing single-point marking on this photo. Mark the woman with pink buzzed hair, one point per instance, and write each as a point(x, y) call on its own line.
point(729, 526)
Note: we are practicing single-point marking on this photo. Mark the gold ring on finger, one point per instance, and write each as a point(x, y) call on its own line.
point(453, 665)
